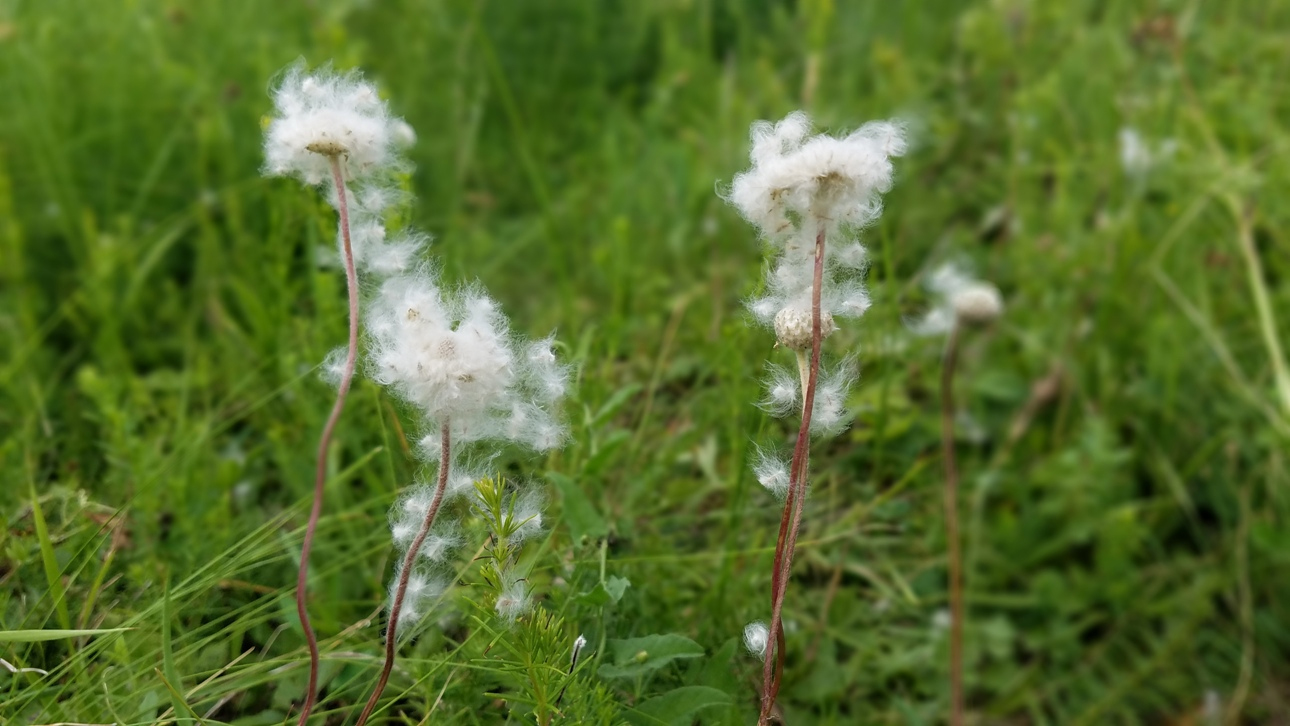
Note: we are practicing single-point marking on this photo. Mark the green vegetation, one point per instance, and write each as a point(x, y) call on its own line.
point(1124, 428)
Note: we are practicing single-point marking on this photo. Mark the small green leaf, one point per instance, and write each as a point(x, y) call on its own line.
point(605, 592)
point(638, 656)
point(53, 574)
point(677, 708)
point(615, 402)
point(579, 513)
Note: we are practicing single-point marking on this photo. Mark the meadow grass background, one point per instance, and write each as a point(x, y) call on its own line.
point(1123, 432)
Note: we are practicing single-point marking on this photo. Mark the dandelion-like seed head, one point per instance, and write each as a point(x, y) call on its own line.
point(527, 516)
point(802, 189)
point(960, 298)
point(324, 115)
point(831, 415)
point(422, 590)
point(978, 304)
point(453, 357)
point(793, 327)
point(818, 178)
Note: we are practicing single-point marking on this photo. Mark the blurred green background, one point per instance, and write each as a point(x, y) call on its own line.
point(1123, 432)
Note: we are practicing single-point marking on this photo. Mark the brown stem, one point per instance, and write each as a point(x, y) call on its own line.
point(952, 526)
point(324, 442)
point(773, 666)
point(391, 640)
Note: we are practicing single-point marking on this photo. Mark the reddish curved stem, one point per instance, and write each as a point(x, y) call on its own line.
point(791, 522)
point(324, 442)
point(391, 640)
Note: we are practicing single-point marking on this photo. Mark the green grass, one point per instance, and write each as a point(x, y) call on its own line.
point(1125, 492)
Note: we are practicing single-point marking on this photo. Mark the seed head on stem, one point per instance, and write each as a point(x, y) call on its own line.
point(801, 193)
point(452, 357)
point(963, 302)
point(331, 130)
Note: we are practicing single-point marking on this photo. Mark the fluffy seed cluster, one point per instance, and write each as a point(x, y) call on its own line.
point(323, 114)
point(960, 299)
point(452, 356)
point(321, 117)
point(448, 353)
point(801, 186)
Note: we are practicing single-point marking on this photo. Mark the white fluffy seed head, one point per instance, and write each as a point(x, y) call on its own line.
point(960, 298)
point(527, 514)
point(802, 188)
point(756, 638)
point(978, 304)
point(820, 178)
point(453, 357)
point(323, 115)
point(793, 327)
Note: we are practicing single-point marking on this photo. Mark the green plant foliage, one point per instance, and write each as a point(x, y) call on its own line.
point(1122, 429)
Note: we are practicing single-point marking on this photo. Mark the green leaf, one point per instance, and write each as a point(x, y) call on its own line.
point(579, 513)
point(638, 656)
point(37, 636)
point(605, 592)
point(53, 574)
point(615, 402)
point(677, 708)
point(168, 673)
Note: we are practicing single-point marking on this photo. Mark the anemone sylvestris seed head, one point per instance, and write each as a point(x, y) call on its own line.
point(960, 298)
point(978, 304)
point(804, 191)
point(837, 180)
point(321, 116)
point(793, 327)
point(452, 355)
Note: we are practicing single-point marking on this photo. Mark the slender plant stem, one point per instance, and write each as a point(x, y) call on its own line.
point(1262, 305)
point(405, 572)
point(952, 526)
point(791, 521)
point(324, 443)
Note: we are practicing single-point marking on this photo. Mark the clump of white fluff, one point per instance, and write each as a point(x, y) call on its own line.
point(756, 637)
point(324, 114)
point(801, 186)
point(424, 588)
point(452, 356)
point(323, 118)
point(960, 298)
point(771, 472)
point(514, 600)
